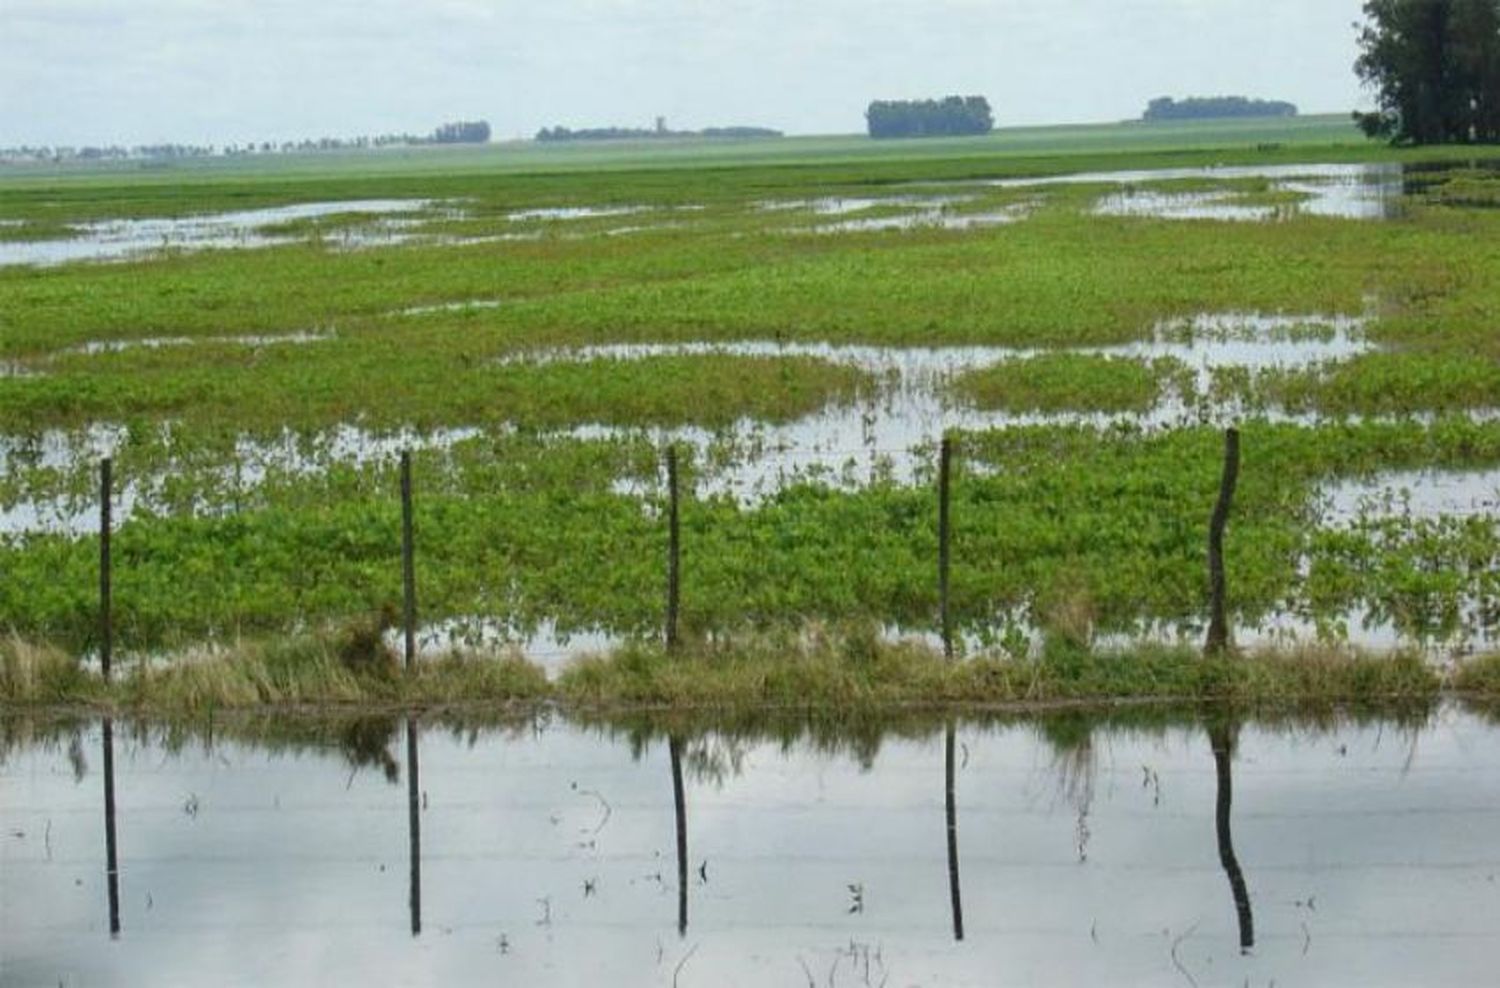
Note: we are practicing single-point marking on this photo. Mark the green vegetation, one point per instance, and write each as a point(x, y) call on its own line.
point(1065, 381)
point(254, 401)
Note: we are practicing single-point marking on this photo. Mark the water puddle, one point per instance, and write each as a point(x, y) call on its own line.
point(123, 239)
point(1182, 206)
point(466, 305)
point(846, 205)
point(566, 213)
point(933, 219)
point(1361, 192)
point(546, 645)
point(250, 465)
point(1413, 494)
point(891, 433)
point(95, 347)
point(1076, 850)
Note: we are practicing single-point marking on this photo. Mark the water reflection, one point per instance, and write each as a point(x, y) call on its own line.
point(414, 826)
point(951, 801)
point(825, 855)
point(1222, 737)
point(679, 805)
point(111, 847)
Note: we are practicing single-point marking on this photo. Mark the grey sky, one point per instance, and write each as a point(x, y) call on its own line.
point(217, 71)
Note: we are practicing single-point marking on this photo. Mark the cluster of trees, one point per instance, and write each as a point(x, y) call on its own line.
point(1215, 107)
point(948, 117)
point(642, 133)
point(1435, 68)
point(463, 132)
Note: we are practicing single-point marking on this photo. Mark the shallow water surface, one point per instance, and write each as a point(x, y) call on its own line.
point(120, 239)
point(1358, 192)
point(1056, 851)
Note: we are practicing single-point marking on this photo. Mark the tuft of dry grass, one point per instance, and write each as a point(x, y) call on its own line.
point(42, 674)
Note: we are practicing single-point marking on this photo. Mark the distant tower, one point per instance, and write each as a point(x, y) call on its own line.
point(661, 125)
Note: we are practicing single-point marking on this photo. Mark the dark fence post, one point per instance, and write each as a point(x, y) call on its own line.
point(1218, 625)
point(408, 563)
point(106, 618)
point(674, 548)
point(945, 463)
point(111, 849)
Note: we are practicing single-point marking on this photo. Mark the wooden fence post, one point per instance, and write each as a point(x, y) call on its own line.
point(106, 618)
point(674, 549)
point(945, 464)
point(1218, 624)
point(408, 563)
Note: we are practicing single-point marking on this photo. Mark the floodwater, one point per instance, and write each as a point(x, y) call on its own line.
point(122, 239)
point(1358, 192)
point(891, 433)
point(1056, 851)
point(1415, 494)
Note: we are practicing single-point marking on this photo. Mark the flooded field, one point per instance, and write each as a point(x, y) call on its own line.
point(1360, 192)
point(1061, 850)
point(1083, 358)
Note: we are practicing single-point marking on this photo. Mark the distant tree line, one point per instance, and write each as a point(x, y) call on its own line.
point(463, 132)
point(558, 134)
point(951, 116)
point(1212, 107)
point(1435, 68)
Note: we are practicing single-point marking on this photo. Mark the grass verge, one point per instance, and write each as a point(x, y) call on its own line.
point(815, 670)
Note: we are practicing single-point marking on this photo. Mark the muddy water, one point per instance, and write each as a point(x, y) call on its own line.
point(1053, 852)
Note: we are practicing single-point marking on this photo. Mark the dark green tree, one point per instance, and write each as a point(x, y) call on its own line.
point(949, 117)
point(1435, 68)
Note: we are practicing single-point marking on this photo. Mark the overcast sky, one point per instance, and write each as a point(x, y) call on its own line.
point(221, 71)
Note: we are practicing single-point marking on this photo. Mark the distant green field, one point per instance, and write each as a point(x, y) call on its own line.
point(999, 151)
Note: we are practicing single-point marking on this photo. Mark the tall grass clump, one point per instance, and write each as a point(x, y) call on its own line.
point(37, 674)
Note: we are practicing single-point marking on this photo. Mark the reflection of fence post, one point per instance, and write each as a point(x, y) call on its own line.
point(679, 804)
point(674, 547)
point(414, 827)
point(950, 756)
point(111, 851)
point(1218, 625)
point(945, 462)
point(106, 619)
point(1222, 739)
point(408, 563)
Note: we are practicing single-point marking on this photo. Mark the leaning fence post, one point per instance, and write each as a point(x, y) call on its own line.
point(674, 548)
point(1218, 624)
point(945, 461)
point(408, 562)
point(106, 619)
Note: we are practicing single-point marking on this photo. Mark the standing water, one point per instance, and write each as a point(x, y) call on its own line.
point(1058, 850)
